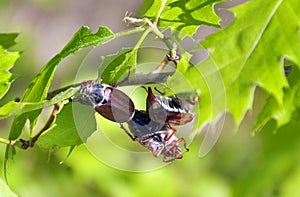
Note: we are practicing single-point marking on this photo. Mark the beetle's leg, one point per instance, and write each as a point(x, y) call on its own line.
point(184, 143)
point(157, 152)
point(145, 88)
point(166, 155)
point(168, 160)
point(169, 135)
point(177, 154)
point(100, 81)
point(172, 152)
point(164, 93)
point(157, 90)
point(128, 133)
point(193, 101)
point(174, 97)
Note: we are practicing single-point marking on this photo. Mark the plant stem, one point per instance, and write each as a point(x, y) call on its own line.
point(159, 12)
point(142, 38)
point(152, 28)
point(146, 78)
point(162, 37)
point(25, 144)
point(48, 124)
point(128, 32)
point(5, 141)
point(8, 142)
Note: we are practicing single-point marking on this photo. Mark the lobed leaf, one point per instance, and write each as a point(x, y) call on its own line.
point(185, 16)
point(249, 53)
point(84, 38)
point(284, 112)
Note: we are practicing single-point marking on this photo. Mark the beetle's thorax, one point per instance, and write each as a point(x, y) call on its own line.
point(96, 93)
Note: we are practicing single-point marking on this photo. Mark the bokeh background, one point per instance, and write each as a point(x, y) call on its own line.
point(240, 164)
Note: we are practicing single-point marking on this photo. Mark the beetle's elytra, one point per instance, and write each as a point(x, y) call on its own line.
point(108, 101)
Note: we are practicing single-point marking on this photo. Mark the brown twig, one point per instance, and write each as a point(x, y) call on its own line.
point(146, 78)
point(30, 143)
point(154, 77)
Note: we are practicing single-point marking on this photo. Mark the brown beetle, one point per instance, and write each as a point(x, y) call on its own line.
point(108, 101)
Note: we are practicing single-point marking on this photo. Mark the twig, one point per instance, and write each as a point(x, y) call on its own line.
point(146, 78)
point(8, 142)
point(30, 143)
point(138, 79)
point(25, 144)
point(53, 93)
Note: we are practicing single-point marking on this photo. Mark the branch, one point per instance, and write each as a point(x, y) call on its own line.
point(25, 144)
point(30, 143)
point(146, 78)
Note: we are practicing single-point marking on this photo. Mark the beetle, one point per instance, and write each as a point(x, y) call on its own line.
point(166, 109)
point(108, 101)
point(157, 138)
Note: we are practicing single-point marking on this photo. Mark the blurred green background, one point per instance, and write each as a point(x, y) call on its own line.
point(240, 164)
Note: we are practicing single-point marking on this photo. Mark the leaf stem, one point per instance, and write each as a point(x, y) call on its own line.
point(142, 38)
point(128, 32)
point(7, 141)
point(159, 12)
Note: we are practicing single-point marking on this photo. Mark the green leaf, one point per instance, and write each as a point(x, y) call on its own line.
point(38, 88)
point(72, 127)
point(15, 108)
point(5, 190)
point(7, 61)
point(114, 66)
point(8, 40)
point(249, 53)
point(84, 38)
point(184, 62)
point(276, 157)
point(282, 113)
point(185, 16)
point(205, 79)
point(145, 7)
